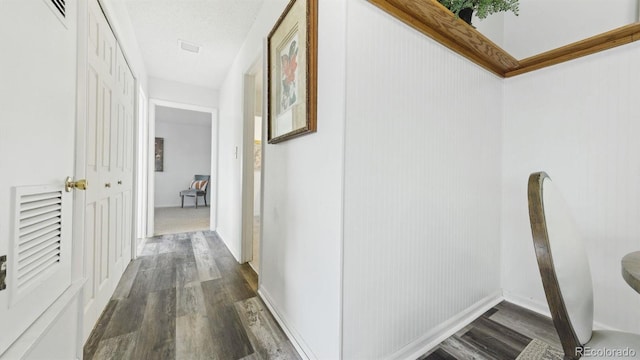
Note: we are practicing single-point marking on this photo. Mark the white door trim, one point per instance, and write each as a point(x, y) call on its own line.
point(246, 253)
point(80, 171)
point(140, 169)
point(151, 150)
point(247, 167)
point(78, 273)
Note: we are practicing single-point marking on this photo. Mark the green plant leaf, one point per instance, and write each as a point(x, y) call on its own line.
point(482, 8)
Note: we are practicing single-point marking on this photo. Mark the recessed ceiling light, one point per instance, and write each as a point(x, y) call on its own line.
point(188, 46)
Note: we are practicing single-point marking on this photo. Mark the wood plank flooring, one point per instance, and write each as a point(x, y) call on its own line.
point(501, 333)
point(186, 297)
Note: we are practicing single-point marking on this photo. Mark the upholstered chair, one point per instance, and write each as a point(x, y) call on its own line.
point(197, 188)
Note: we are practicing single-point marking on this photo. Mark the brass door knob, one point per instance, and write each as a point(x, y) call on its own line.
point(69, 184)
point(119, 182)
point(107, 185)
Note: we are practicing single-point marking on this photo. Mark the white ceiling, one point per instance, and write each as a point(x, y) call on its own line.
point(219, 26)
point(182, 116)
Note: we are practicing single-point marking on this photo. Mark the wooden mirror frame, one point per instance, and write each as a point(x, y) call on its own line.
point(436, 21)
point(559, 314)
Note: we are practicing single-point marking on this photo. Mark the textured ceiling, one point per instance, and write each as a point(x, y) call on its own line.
point(181, 116)
point(219, 26)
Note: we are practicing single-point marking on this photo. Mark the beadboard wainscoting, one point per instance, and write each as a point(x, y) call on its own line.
point(578, 122)
point(422, 187)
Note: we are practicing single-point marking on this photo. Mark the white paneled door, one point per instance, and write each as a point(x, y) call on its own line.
point(108, 216)
point(37, 152)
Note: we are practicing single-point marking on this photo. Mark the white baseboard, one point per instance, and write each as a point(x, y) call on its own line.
point(231, 249)
point(303, 349)
point(528, 303)
point(446, 329)
point(166, 206)
point(543, 309)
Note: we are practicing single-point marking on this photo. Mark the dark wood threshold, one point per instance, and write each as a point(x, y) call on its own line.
point(434, 20)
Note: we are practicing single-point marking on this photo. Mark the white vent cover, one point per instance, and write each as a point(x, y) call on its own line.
point(60, 6)
point(188, 46)
point(59, 9)
point(39, 237)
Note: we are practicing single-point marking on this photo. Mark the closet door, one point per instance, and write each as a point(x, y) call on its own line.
point(37, 152)
point(109, 145)
point(123, 173)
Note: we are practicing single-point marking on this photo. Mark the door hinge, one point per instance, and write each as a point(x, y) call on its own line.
point(3, 272)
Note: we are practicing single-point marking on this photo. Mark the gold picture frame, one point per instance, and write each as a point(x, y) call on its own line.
point(292, 67)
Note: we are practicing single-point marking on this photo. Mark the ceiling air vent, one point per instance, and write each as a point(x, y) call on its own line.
point(190, 47)
point(60, 5)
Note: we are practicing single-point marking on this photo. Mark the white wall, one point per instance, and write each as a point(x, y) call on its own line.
point(544, 25)
point(578, 122)
point(167, 90)
point(492, 27)
point(301, 244)
point(422, 183)
point(187, 147)
point(547, 24)
point(230, 126)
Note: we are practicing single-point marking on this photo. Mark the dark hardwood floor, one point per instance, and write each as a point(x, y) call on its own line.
point(186, 297)
point(501, 333)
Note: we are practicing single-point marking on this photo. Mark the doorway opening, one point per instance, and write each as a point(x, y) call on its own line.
point(182, 147)
point(182, 152)
point(252, 165)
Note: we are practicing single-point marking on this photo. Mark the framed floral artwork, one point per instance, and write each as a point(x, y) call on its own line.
point(292, 72)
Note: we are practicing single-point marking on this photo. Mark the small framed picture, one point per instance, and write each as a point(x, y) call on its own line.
point(292, 72)
point(159, 155)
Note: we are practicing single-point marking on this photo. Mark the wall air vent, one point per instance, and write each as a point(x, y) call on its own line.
point(38, 235)
point(60, 5)
point(40, 249)
point(59, 9)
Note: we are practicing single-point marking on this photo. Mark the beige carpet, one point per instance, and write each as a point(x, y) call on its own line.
point(173, 220)
point(540, 350)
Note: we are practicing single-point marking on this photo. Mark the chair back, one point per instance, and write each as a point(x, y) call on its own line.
point(202, 178)
point(563, 264)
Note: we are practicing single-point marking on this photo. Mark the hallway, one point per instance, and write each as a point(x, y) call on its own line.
point(186, 297)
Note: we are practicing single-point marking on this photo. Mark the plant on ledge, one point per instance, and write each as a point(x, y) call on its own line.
point(465, 8)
